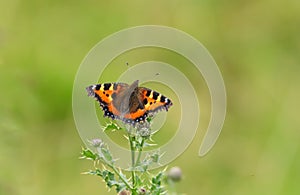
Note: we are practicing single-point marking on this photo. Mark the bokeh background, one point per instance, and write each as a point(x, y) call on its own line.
point(255, 43)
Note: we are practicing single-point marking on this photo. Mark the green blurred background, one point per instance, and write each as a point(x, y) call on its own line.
point(255, 43)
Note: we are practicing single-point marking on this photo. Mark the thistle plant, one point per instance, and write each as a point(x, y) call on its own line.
point(134, 106)
point(137, 180)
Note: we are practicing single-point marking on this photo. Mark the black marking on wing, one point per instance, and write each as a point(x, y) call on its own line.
point(107, 86)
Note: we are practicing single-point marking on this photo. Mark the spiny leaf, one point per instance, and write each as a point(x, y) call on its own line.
point(96, 172)
point(111, 181)
point(156, 182)
point(147, 144)
point(106, 155)
point(111, 127)
point(155, 157)
point(88, 154)
point(120, 187)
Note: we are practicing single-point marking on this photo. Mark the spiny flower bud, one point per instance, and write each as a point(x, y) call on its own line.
point(96, 143)
point(143, 129)
point(144, 132)
point(175, 174)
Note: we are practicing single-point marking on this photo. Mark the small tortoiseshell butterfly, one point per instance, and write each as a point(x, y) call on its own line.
point(129, 103)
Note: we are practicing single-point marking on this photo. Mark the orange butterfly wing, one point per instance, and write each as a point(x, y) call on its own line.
point(154, 101)
point(129, 103)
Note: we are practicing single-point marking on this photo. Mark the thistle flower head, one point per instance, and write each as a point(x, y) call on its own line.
point(96, 143)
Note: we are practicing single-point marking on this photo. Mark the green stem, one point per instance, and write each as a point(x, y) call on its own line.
point(140, 152)
point(120, 176)
point(132, 160)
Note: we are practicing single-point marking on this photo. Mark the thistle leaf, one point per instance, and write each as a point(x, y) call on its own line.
point(111, 127)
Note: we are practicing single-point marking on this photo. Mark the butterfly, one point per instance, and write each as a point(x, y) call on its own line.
point(129, 103)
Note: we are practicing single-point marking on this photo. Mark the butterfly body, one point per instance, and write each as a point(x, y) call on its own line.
point(129, 103)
